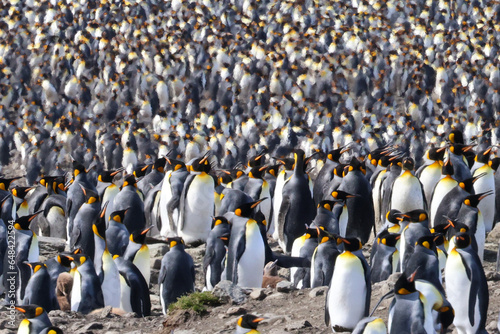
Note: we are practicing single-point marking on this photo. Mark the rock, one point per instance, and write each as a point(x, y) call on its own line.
point(101, 313)
point(93, 325)
point(157, 263)
point(492, 276)
point(51, 245)
point(295, 325)
point(492, 326)
point(284, 286)
point(236, 310)
point(258, 294)
point(277, 295)
point(229, 292)
point(130, 315)
point(318, 291)
point(157, 250)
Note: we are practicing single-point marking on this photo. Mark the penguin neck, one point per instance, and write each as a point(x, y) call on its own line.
point(406, 172)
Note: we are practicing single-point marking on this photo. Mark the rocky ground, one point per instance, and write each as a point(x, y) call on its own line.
point(286, 310)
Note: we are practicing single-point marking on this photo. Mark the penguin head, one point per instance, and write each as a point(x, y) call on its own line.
point(427, 242)
point(99, 227)
point(462, 240)
point(339, 170)
point(273, 170)
point(494, 163)
point(456, 137)
point(247, 210)
point(325, 236)
point(439, 238)
point(447, 168)
point(249, 321)
point(35, 266)
point(460, 149)
point(473, 200)
point(408, 164)
point(483, 156)
point(356, 165)
point(257, 172)
point(336, 154)
point(468, 184)
point(350, 244)
point(118, 216)
point(200, 165)
point(78, 169)
point(395, 216)
point(405, 285)
point(457, 226)
point(20, 192)
point(108, 175)
point(30, 311)
point(139, 237)
point(175, 242)
point(65, 259)
point(174, 164)
point(79, 259)
point(287, 162)
point(436, 153)
point(326, 204)
point(299, 157)
point(23, 223)
point(140, 171)
point(5, 182)
point(417, 216)
point(341, 195)
point(388, 239)
point(129, 180)
point(219, 220)
point(90, 195)
point(53, 330)
point(54, 184)
point(159, 164)
point(257, 160)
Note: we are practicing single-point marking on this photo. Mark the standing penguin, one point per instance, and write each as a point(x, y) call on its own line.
point(133, 287)
point(349, 293)
point(216, 250)
point(384, 259)
point(442, 188)
point(360, 207)
point(466, 287)
point(117, 234)
point(107, 189)
point(36, 319)
point(53, 220)
point(325, 218)
point(297, 206)
point(86, 294)
point(418, 227)
point(246, 250)
point(170, 196)
point(36, 291)
point(323, 259)
point(281, 180)
point(430, 174)
point(82, 235)
point(304, 247)
point(407, 193)
point(137, 252)
point(258, 188)
point(325, 175)
point(197, 202)
point(456, 156)
point(176, 276)
point(485, 184)
point(129, 199)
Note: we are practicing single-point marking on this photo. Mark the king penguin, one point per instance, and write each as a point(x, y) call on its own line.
point(304, 247)
point(197, 203)
point(36, 291)
point(134, 295)
point(349, 292)
point(466, 287)
point(430, 174)
point(82, 235)
point(247, 324)
point(325, 175)
point(323, 259)
point(442, 188)
point(216, 251)
point(36, 319)
point(407, 186)
point(129, 199)
point(485, 184)
point(117, 234)
point(384, 259)
point(137, 252)
point(258, 188)
point(281, 179)
point(177, 275)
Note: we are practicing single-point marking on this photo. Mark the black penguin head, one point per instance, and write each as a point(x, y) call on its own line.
point(79, 259)
point(394, 216)
point(118, 216)
point(129, 180)
point(339, 170)
point(460, 149)
point(473, 200)
point(78, 169)
point(140, 171)
point(200, 165)
point(65, 259)
point(30, 311)
point(341, 195)
point(175, 242)
point(299, 158)
point(457, 226)
point(312, 232)
point(139, 237)
point(258, 160)
point(447, 168)
point(249, 321)
point(219, 220)
point(326, 204)
point(427, 242)
point(23, 223)
point(388, 239)
point(159, 164)
point(336, 154)
point(417, 216)
point(287, 162)
point(350, 244)
point(325, 236)
point(247, 210)
point(462, 240)
point(408, 164)
point(405, 285)
point(5, 182)
point(53, 183)
point(174, 164)
point(273, 170)
point(456, 137)
point(494, 163)
point(468, 184)
point(436, 153)
point(483, 156)
point(356, 165)
point(90, 195)
point(257, 172)
point(35, 266)
point(20, 192)
point(108, 175)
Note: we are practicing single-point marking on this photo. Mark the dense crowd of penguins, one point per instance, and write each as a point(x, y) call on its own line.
point(235, 123)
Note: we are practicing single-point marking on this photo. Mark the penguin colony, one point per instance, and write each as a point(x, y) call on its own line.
point(229, 123)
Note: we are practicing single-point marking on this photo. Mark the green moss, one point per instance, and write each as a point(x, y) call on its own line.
point(197, 301)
